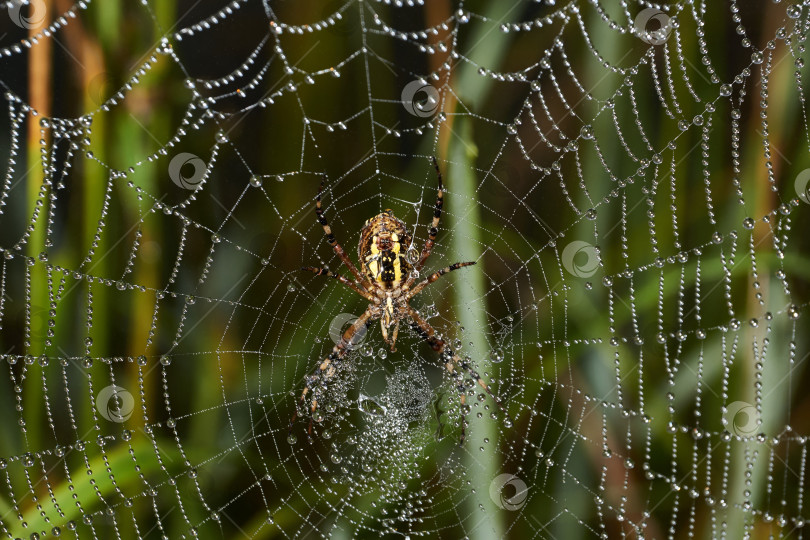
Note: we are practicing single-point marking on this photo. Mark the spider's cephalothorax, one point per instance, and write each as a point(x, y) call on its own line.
point(386, 279)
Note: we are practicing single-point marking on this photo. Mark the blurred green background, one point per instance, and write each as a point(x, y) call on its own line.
point(192, 302)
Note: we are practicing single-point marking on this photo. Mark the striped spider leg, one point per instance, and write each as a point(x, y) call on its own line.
point(452, 361)
point(432, 232)
point(326, 368)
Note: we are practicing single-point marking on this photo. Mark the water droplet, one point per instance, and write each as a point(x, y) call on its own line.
point(369, 406)
point(256, 181)
point(734, 324)
point(748, 223)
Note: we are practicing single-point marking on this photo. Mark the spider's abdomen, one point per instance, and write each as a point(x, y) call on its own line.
point(384, 242)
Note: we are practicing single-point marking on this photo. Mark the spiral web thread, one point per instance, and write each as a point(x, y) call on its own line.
point(637, 305)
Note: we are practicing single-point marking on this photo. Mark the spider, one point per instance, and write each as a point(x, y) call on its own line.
point(387, 279)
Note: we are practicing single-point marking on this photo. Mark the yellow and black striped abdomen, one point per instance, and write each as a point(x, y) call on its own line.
point(384, 242)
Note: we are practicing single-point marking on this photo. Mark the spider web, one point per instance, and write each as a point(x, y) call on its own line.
point(626, 176)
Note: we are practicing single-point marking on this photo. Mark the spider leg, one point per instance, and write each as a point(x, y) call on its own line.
point(394, 337)
point(434, 276)
point(339, 351)
point(433, 231)
point(328, 273)
point(427, 333)
point(330, 238)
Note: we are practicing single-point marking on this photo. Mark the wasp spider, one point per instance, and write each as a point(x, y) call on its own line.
point(387, 279)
